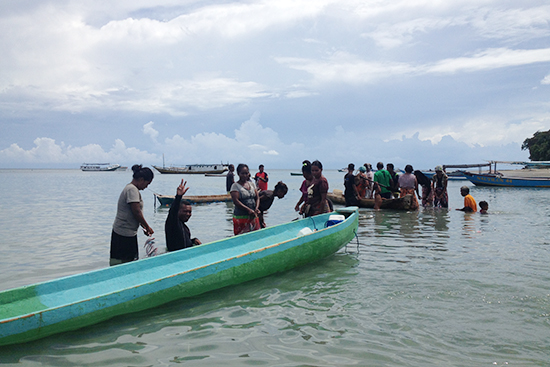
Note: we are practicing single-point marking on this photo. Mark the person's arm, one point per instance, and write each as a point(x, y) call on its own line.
point(138, 214)
point(416, 188)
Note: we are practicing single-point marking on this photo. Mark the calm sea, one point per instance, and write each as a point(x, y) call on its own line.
point(426, 288)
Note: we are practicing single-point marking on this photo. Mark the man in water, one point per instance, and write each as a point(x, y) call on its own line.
point(469, 202)
point(350, 190)
point(230, 178)
point(383, 178)
point(261, 178)
point(178, 235)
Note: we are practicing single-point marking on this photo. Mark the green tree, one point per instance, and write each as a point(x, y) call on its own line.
point(538, 145)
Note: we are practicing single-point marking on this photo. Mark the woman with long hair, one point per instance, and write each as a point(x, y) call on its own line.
point(317, 191)
point(245, 197)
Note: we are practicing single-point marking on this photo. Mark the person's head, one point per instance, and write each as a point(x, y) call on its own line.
point(362, 169)
point(142, 176)
point(351, 167)
point(243, 172)
point(261, 167)
point(483, 205)
point(184, 211)
point(280, 190)
point(316, 169)
point(379, 165)
point(306, 170)
point(409, 168)
point(368, 166)
point(389, 167)
point(438, 170)
point(464, 190)
point(231, 167)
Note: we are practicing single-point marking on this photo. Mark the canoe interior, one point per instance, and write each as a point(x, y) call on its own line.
point(69, 303)
point(403, 203)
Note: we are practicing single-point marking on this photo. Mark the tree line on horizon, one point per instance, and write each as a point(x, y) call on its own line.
point(538, 146)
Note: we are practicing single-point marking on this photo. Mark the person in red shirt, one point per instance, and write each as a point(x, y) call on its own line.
point(261, 178)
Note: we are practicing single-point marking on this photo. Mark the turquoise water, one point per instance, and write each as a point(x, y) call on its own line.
point(427, 288)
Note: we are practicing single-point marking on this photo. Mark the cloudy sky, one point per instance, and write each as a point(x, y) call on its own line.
point(273, 82)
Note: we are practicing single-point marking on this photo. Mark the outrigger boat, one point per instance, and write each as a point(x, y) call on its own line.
point(166, 200)
point(534, 174)
point(404, 203)
point(457, 174)
point(69, 303)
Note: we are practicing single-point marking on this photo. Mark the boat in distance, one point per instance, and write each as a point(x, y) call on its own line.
point(197, 169)
point(69, 303)
point(166, 200)
point(496, 179)
point(404, 203)
point(99, 167)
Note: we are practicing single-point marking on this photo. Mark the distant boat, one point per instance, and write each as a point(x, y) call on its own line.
point(458, 174)
point(215, 174)
point(535, 174)
point(454, 175)
point(198, 169)
point(166, 200)
point(296, 173)
point(498, 179)
point(39, 310)
point(98, 167)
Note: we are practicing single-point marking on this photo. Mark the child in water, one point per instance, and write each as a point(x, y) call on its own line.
point(484, 207)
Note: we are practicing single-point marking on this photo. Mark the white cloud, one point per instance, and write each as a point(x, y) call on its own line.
point(546, 80)
point(46, 150)
point(150, 131)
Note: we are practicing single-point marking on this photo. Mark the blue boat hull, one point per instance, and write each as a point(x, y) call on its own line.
point(495, 180)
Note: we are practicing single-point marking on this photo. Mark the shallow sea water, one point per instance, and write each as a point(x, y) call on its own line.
point(425, 288)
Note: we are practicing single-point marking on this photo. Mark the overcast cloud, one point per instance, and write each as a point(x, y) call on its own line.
point(272, 82)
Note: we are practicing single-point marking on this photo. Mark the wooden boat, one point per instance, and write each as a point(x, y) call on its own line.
point(196, 169)
point(296, 173)
point(496, 179)
point(72, 302)
point(404, 203)
point(99, 167)
point(166, 200)
point(215, 174)
point(457, 174)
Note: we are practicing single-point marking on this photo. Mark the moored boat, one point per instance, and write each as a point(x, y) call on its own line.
point(69, 303)
point(497, 179)
point(166, 200)
point(196, 169)
point(404, 203)
point(99, 167)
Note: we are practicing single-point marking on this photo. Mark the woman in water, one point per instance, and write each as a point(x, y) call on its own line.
point(302, 206)
point(409, 185)
point(129, 216)
point(317, 191)
point(246, 200)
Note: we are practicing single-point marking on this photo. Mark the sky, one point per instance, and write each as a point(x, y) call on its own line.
point(271, 82)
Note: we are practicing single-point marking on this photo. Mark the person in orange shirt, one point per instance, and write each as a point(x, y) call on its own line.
point(261, 178)
point(469, 202)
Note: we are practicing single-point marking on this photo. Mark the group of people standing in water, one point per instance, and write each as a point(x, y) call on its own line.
point(252, 198)
point(387, 184)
